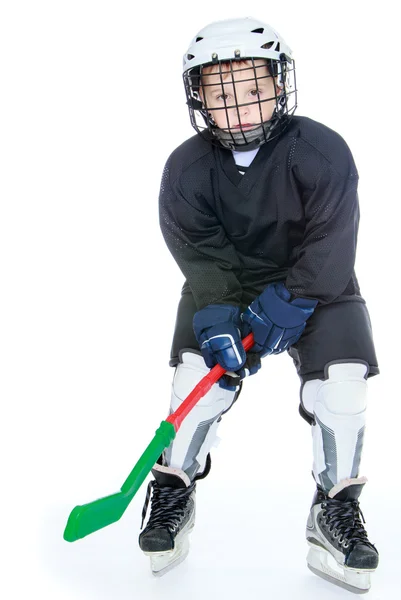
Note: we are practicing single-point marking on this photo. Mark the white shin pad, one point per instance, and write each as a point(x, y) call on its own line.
point(197, 434)
point(338, 404)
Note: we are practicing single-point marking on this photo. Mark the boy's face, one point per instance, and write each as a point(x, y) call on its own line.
point(250, 89)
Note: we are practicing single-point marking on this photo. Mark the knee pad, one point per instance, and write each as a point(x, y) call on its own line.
point(338, 405)
point(190, 370)
point(197, 434)
point(344, 391)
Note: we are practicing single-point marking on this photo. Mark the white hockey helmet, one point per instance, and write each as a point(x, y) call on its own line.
point(223, 45)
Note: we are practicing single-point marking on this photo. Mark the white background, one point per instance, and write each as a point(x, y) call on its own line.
point(92, 104)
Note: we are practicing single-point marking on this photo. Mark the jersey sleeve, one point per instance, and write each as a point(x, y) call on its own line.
point(197, 242)
point(326, 258)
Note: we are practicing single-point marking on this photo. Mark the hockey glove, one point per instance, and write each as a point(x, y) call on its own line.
point(217, 329)
point(275, 320)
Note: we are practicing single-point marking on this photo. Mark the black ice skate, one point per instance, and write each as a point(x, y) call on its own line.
point(339, 547)
point(172, 518)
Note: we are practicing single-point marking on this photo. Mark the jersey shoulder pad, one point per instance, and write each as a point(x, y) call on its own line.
point(187, 154)
point(318, 139)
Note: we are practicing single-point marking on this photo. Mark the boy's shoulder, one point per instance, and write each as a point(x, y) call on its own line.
point(326, 142)
point(188, 153)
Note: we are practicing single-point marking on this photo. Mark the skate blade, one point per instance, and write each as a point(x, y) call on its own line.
point(163, 562)
point(159, 570)
point(355, 581)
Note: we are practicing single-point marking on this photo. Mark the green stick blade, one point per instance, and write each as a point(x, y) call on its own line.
point(95, 515)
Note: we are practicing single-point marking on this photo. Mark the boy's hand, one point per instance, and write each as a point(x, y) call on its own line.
point(217, 328)
point(275, 321)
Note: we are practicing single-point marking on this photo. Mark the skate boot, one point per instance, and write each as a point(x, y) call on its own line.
point(172, 518)
point(339, 549)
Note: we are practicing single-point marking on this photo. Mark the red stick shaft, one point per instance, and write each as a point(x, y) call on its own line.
point(202, 388)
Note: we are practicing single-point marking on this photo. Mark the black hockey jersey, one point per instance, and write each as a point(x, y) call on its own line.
point(292, 217)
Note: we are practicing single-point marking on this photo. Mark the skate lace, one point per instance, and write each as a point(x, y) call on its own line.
point(168, 505)
point(344, 518)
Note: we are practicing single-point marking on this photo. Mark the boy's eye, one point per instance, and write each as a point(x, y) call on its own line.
point(255, 92)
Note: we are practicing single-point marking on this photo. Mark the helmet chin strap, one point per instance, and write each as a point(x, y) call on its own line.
point(247, 140)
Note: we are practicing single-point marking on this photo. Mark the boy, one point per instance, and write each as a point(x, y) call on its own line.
point(260, 211)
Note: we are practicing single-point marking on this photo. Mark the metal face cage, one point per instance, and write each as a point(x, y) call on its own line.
point(216, 104)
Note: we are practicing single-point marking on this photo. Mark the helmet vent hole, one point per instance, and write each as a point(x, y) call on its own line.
point(268, 45)
point(198, 39)
point(190, 56)
point(260, 30)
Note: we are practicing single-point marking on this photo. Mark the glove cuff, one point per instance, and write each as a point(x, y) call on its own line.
point(281, 312)
point(216, 314)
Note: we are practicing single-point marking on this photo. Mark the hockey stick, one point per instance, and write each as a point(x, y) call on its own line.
point(95, 515)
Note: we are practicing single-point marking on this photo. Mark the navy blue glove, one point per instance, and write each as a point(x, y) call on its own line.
point(275, 320)
point(217, 328)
